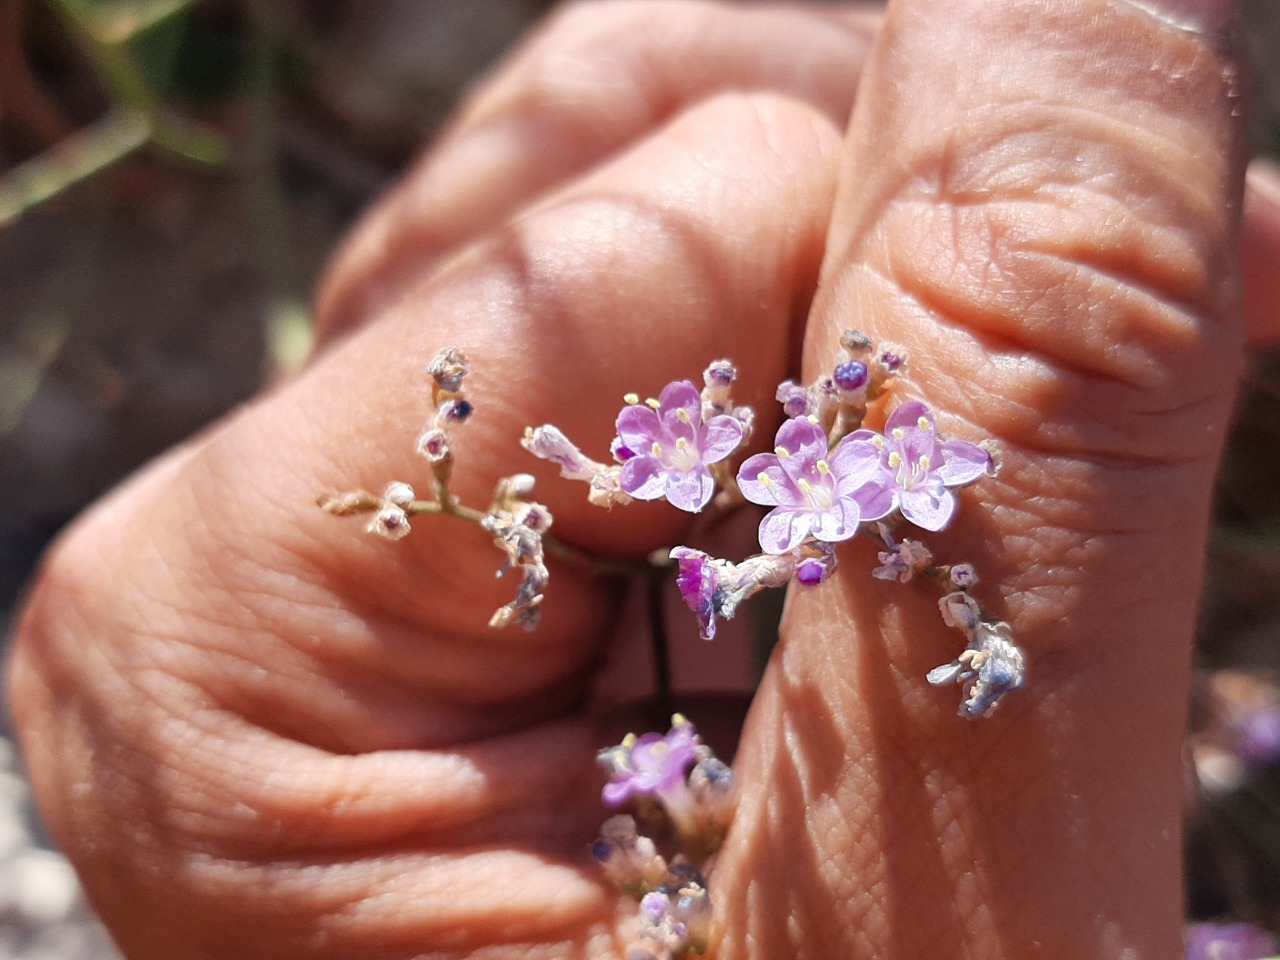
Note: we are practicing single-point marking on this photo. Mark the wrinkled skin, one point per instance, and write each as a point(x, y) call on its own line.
point(260, 735)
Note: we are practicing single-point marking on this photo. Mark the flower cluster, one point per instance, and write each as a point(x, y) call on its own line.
point(672, 447)
point(828, 478)
point(683, 794)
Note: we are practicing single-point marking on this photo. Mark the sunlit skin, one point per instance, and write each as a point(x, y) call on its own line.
point(260, 734)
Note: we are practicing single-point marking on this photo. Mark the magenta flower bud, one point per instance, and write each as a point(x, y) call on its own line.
point(793, 397)
point(850, 376)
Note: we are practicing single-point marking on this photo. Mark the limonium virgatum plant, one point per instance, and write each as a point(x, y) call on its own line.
point(827, 479)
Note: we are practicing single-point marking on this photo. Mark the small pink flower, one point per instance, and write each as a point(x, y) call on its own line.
point(813, 492)
point(653, 765)
point(665, 451)
point(921, 466)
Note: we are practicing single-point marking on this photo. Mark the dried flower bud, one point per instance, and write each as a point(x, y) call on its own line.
point(399, 494)
point(857, 343)
point(391, 522)
point(447, 368)
point(434, 445)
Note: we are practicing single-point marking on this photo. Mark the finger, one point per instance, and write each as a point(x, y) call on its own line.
point(1260, 253)
point(597, 78)
point(1036, 200)
point(216, 683)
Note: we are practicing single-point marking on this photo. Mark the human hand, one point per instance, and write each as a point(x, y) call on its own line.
point(259, 737)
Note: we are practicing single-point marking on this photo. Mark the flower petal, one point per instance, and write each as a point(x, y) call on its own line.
point(908, 415)
point(856, 462)
point(722, 435)
point(681, 394)
point(690, 490)
point(801, 437)
point(638, 427)
point(643, 478)
point(962, 462)
point(875, 500)
point(929, 507)
point(782, 529)
point(840, 522)
point(776, 492)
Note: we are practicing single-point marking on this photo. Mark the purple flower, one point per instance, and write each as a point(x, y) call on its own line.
point(652, 765)
point(813, 492)
point(922, 467)
point(713, 588)
point(1227, 941)
point(699, 582)
point(671, 447)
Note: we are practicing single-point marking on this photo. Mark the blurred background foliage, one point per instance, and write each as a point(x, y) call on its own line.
point(174, 173)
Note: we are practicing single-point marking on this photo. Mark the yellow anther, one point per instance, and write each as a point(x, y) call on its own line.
point(631, 398)
point(765, 480)
point(657, 449)
point(805, 486)
point(681, 443)
point(812, 419)
point(894, 458)
point(924, 463)
point(822, 466)
point(782, 452)
point(683, 414)
point(923, 423)
point(899, 433)
point(653, 403)
point(878, 441)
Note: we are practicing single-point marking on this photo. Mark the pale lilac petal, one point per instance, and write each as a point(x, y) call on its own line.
point(962, 462)
point(782, 529)
point(929, 507)
point(723, 435)
point(689, 491)
point(836, 524)
point(638, 427)
point(857, 462)
point(643, 478)
point(802, 438)
point(616, 793)
point(682, 394)
point(908, 416)
point(874, 500)
point(771, 494)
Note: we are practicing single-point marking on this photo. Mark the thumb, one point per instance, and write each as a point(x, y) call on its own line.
point(1039, 202)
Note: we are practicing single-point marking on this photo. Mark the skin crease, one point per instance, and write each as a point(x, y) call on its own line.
point(260, 735)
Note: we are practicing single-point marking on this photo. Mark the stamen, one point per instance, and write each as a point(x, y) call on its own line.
point(805, 486)
point(895, 458)
point(683, 414)
point(924, 463)
point(631, 398)
point(899, 433)
point(765, 480)
point(653, 403)
point(782, 452)
point(681, 442)
point(923, 423)
point(822, 466)
point(878, 441)
point(657, 449)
